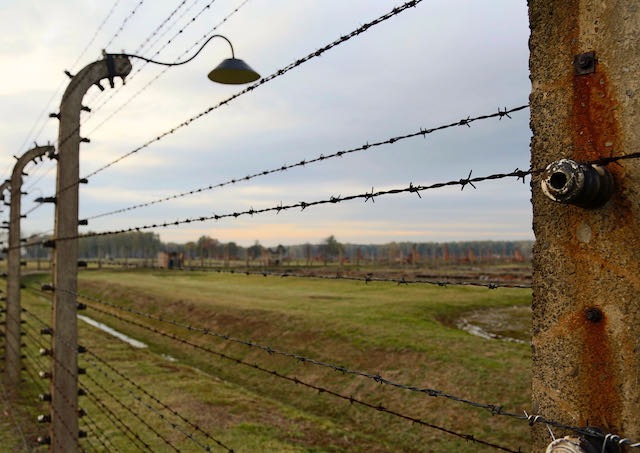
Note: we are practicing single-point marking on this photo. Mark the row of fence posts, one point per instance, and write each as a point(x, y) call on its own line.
point(584, 105)
point(64, 433)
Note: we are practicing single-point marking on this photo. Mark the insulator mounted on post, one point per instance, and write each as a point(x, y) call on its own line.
point(81, 306)
point(584, 185)
point(44, 397)
point(46, 331)
point(44, 418)
point(45, 200)
point(44, 440)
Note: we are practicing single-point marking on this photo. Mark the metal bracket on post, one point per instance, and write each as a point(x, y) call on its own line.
point(584, 63)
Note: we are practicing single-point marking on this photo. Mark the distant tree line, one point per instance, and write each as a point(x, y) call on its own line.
point(141, 245)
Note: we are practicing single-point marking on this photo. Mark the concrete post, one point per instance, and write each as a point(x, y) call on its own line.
point(13, 309)
point(586, 268)
point(64, 385)
point(4, 187)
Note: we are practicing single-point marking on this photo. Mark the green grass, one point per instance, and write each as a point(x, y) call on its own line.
point(401, 332)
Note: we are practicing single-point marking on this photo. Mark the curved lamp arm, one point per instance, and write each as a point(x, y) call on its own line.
point(178, 63)
point(231, 71)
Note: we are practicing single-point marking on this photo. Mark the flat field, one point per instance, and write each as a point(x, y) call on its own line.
point(245, 396)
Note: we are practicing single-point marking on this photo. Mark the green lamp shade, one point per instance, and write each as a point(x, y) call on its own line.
point(233, 71)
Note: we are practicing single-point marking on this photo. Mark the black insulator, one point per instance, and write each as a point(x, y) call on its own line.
point(583, 185)
point(44, 440)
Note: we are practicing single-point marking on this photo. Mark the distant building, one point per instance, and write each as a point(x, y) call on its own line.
point(171, 260)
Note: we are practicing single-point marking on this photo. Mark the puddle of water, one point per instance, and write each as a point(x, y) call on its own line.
point(119, 335)
point(478, 331)
point(507, 323)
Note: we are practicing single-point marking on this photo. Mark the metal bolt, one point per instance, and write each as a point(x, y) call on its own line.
point(593, 314)
point(584, 63)
point(585, 60)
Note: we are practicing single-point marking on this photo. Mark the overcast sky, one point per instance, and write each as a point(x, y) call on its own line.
point(430, 65)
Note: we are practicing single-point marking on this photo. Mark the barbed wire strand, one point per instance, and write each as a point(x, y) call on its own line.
point(52, 357)
point(124, 23)
point(154, 410)
point(162, 72)
point(53, 409)
point(159, 27)
point(130, 77)
point(302, 205)
point(14, 421)
point(495, 409)
point(133, 74)
point(351, 399)
point(40, 117)
point(99, 433)
point(173, 25)
point(157, 400)
point(95, 35)
point(250, 88)
point(132, 412)
point(117, 421)
point(37, 340)
point(368, 146)
point(370, 278)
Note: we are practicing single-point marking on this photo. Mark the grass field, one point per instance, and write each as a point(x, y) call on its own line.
point(404, 333)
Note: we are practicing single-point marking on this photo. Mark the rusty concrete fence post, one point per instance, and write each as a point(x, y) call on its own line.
point(64, 379)
point(585, 105)
point(13, 307)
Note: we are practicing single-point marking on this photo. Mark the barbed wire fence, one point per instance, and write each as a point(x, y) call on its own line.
point(107, 387)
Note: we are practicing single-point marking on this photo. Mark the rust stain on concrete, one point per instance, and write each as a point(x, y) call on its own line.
point(598, 378)
point(596, 135)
